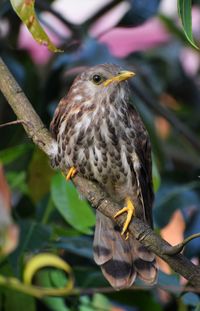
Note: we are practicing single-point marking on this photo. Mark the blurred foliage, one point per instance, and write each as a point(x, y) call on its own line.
point(48, 211)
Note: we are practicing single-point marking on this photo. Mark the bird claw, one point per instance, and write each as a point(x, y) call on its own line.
point(72, 171)
point(129, 208)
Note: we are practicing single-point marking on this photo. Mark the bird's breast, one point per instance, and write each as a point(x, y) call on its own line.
point(99, 145)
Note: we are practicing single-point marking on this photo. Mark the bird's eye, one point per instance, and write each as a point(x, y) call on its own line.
point(97, 79)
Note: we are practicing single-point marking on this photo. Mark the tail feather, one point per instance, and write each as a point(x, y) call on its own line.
point(119, 271)
point(102, 245)
point(146, 271)
point(121, 260)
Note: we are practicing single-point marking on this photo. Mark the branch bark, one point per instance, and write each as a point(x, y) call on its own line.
point(90, 190)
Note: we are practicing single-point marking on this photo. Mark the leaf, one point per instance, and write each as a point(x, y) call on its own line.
point(45, 279)
point(26, 12)
point(171, 197)
point(137, 300)
point(81, 246)
point(40, 174)
point(101, 301)
point(17, 180)
point(94, 277)
point(95, 302)
point(156, 175)
point(18, 301)
point(197, 307)
point(43, 260)
point(184, 11)
point(9, 155)
point(74, 210)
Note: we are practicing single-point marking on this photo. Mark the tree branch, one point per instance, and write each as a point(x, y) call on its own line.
point(90, 190)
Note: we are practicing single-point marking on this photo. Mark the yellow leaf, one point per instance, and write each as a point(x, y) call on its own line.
point(26, 12)
point(44, 260)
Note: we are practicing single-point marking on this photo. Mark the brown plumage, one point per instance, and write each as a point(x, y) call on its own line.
point(100, 134)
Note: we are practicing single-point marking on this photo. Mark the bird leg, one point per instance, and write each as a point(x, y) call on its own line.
point(130, 209)
point(72, 171)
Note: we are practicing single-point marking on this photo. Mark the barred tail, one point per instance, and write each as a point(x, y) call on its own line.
point(121, 260)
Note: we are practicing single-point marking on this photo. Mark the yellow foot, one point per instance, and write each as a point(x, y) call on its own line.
point(71, 173)
point(129, 208)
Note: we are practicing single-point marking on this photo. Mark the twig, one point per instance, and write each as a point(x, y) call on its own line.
point(11, 123)
point(169, 288)
point(92, 192)
point(179, 247)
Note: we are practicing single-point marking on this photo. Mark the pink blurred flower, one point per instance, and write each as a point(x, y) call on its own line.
point(110, 19)
point(123, 41)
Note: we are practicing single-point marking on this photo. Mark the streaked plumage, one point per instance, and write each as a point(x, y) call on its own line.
point(102, 136)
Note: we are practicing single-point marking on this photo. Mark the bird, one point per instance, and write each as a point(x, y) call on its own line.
point(101, 136)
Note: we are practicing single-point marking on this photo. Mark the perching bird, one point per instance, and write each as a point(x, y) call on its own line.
point(101, 136)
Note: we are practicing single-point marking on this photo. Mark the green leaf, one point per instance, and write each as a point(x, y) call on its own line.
point(94, 277)
point(17, 180)
point(40, 174)
point(74, 210)
point(172, 196)
point(18, 301)
point(156, 175)
point(184, 11)
point(26, 12)
point(9, 155)
point(46, 278)
point(197, 307)
point(97, 302)
point(81, 246)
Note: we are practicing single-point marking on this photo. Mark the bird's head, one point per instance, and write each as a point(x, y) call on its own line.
point(102, 81)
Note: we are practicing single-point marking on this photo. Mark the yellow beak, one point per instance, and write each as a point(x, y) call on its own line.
point(123, 75)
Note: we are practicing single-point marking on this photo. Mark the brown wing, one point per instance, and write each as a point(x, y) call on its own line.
point(58, 114)
point(144, 173)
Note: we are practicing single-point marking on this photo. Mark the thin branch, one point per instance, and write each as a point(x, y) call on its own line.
point(11, 123)
point(179, 247)
point(90, 190)
point(170, 288)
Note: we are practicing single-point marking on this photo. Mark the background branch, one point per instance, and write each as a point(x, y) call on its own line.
point(91, 191)
point(179, 126)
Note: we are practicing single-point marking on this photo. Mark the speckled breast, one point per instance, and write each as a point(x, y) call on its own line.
point(101, 147)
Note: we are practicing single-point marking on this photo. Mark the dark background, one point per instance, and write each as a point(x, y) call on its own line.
point(139, 37)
